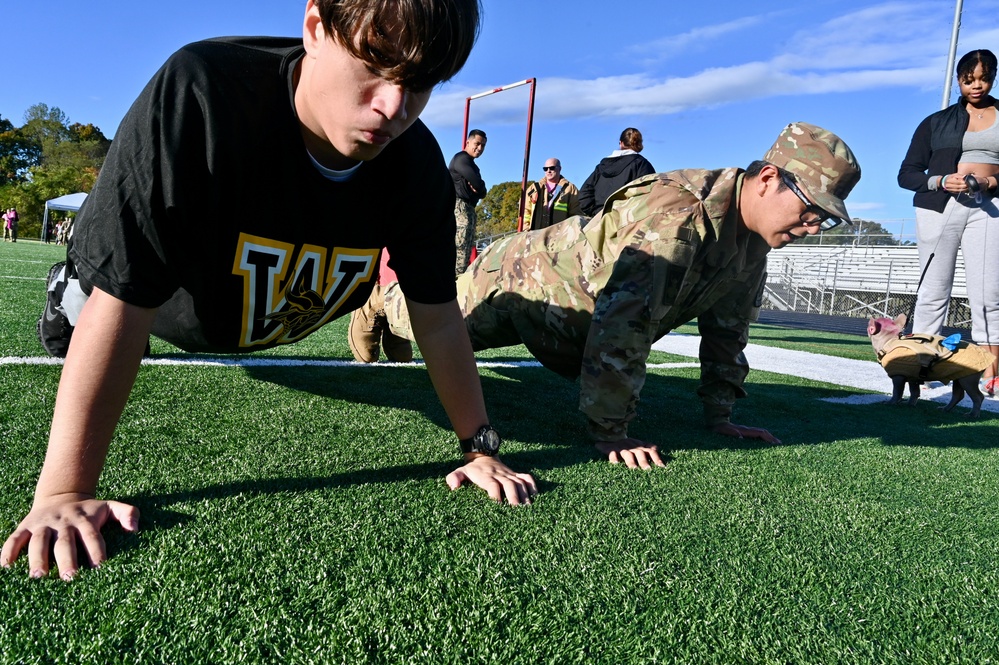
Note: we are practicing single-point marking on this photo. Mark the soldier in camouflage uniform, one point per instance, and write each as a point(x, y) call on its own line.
point(588, 299)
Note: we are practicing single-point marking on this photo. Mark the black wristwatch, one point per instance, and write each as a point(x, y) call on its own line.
point(486, 441)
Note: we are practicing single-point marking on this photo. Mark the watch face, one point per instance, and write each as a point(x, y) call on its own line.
point(487, 440)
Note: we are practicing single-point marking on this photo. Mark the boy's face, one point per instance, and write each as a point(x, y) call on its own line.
point(348, 114)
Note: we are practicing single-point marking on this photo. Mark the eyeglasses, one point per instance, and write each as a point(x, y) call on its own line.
point(812, 215)
point(550, 168)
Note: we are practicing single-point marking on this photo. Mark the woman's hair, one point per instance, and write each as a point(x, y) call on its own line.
point(966, 65)
point(415, 43)
point(631, 139)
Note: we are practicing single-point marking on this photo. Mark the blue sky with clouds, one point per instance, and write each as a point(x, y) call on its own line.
point(708, 85)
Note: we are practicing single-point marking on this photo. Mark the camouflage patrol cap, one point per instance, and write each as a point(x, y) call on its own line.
point(822, 164)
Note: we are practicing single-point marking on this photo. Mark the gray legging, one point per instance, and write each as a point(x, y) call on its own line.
point(974, 228)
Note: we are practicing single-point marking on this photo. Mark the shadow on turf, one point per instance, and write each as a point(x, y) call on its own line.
point(670, 405)
point(668, 415)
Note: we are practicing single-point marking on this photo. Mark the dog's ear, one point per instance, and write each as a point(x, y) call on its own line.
point(901, 320)
point(873, 327)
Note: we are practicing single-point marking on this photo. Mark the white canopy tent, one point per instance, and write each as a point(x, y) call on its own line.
point(70, 202)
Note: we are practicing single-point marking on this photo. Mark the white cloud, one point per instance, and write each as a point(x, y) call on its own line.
point(697, 38)
point(891, 45)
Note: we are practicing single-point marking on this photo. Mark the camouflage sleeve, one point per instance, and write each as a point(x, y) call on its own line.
point(724, 334)
point(617, 347)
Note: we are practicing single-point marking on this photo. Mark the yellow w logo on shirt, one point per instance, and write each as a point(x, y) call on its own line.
point(287, 294)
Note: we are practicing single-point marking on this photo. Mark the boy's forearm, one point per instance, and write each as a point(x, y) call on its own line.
point(98, 375)
point(443, 340)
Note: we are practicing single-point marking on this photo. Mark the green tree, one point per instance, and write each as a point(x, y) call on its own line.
point(862, 232)
point(45, 158)
point(497, 213)
point(46, 126)
point(18, 153)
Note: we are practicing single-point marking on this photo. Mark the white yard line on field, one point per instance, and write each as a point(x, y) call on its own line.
point(860, 374)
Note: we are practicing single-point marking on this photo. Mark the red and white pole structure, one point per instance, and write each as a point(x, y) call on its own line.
point(530, 129)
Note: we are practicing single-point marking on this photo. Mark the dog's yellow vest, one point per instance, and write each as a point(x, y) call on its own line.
point(923, 357)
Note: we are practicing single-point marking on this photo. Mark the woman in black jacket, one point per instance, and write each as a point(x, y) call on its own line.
point(953, 166)
point(614, 172)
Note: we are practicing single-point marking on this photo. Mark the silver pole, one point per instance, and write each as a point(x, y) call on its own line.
point(952, 55)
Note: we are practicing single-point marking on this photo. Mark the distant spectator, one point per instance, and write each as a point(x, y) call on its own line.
point(469, 189)
point(614, 172)
point(551, 199)
point(10, 225)
point(65, 231)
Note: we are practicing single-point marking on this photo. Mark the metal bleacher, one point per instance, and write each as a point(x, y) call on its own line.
point(854, 281)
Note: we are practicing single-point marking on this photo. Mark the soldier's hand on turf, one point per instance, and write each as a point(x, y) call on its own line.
point(636, 454)
point(62, 525)
point(744, 432)
point(496, 478)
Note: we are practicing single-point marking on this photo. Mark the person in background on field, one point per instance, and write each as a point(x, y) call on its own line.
point(550, 200)
point(588, 298)
point(64, 232)
point(952, 165)
point(335, 116)
point(10, 225)
point(469, 189)
point(614, 172)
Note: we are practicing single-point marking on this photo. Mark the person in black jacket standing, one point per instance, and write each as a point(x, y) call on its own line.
point(614, 172)
point(469, 189)
point(952, 165)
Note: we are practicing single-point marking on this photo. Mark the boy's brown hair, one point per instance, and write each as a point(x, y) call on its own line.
point(415, 43)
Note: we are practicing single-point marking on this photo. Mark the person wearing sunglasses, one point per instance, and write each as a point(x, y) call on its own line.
point(589, 297)
point(551, 199)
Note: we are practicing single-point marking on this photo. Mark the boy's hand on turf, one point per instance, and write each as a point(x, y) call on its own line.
point(496, 478)
point(744, 432)
point(59, 524)
point(635, 454)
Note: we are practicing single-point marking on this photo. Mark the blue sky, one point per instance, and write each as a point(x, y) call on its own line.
point(706, 88)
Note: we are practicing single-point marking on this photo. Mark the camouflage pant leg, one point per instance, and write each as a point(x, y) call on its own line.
point(397, 313)
point(464, 238)
point(488, 327)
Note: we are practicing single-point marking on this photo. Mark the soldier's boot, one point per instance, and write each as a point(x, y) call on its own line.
point(397, 349)
point(366, 324)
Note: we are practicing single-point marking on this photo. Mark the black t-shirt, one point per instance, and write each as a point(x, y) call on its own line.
point(209, 207)
point(464, 170)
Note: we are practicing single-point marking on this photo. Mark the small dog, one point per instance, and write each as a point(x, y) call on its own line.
point(913, 359)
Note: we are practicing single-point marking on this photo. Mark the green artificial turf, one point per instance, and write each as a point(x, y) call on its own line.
point(299, 515)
